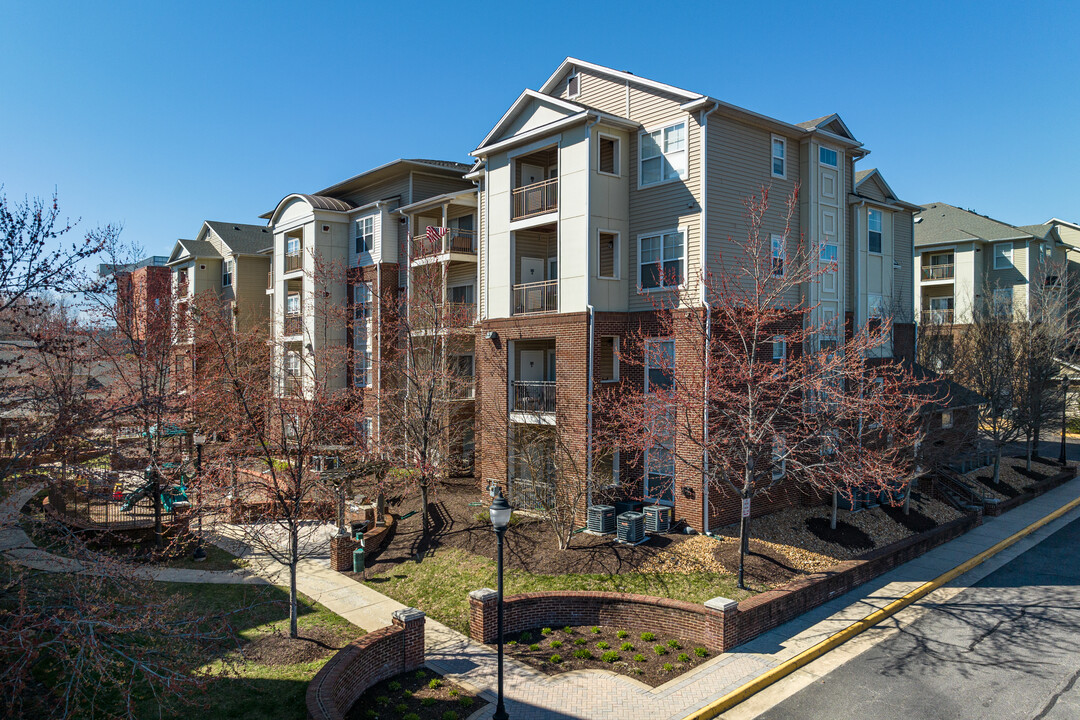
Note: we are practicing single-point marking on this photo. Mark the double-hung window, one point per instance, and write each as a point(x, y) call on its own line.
point(1003, 301)
point(779, 458)
point(292, 304)
point(364, 234)
point(227, 273)
point(779, 255)
point(659, 364)
point(292, 245)
point(873, 230)
point(779, 157)
point(661, 260)
point(362, 301)
point(662, 155)
point(779, 349)
point(1003, 256)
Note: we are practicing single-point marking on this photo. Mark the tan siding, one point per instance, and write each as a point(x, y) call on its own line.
point(385, 190)
point(481, 225)
point(872, 189)
point(250, 286)
point(425, 185)
point(850, 253)
point(904, 278)
point(600, 92)
point(740, 162)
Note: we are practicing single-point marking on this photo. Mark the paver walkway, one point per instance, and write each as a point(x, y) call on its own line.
point(601, 695)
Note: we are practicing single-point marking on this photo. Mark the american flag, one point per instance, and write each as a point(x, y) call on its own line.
point(436, 234)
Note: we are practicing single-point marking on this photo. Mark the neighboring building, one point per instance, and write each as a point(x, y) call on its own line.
point(962, 258)
point(225, 264)
point(341, 262)
point(143, 297)
point(593, 182)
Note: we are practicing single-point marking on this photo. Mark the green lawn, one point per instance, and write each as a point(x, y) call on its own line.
point(440, 584)
point(216, 559)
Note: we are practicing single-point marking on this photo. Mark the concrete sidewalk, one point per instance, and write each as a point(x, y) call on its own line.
point(602, 695)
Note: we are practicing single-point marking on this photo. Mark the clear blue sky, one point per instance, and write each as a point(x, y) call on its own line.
point(159, 115)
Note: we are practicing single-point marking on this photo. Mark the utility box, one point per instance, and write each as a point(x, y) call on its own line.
point(625, 506)
point(358, 560)
point(657, 518)
point(631, 527)
point(601, 519)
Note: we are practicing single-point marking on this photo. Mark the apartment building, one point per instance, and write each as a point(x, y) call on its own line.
point(603, 190)
point(142, 296)
point(341, 261)
point(963, 258)
point(225, 265)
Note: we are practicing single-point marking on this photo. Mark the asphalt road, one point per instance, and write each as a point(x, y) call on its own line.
point(1008, 647)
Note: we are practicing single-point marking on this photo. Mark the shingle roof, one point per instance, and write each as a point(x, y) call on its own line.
point(242, 239)
point(199, 248)
point(940, 222)
point(861, 175)
point(945, 393)
point(810, 124)
point(448, 164)
point(1039, 231)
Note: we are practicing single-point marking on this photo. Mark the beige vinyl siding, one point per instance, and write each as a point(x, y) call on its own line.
point(740, 158)
point(425, 185)
point(1013, 277)
point(403, 252)
point(395, 187)
point(250, 284)
point(872, 189)
point(600, 92)
point(481, 257)
point(903, 278)
point(461, 273)
point(851, 252)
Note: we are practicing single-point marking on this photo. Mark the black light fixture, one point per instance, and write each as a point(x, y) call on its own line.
point(500, 512)
point(199, 439)
point(1064, 405)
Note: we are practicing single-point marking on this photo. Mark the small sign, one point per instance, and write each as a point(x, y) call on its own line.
point(746, 507)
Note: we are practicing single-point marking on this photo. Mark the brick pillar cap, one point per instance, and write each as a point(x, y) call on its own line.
point(408, 615)
point(484, 594)
point(721, 603)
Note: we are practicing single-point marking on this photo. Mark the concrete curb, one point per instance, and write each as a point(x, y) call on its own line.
point(807, 656)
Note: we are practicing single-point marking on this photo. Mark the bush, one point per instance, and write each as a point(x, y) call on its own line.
point(420, 674)
point(580, 641)
point(701, 652)
point(525, 637)
point(660, 650)
point(534, 647)
point(582, 654)
point(603, 645)
point(621, 634)
point(639, 658)
point(556, 659)
point(556, 644)
point(683, 658)
point(393, 686)
point(466, 702)
point(610, 656)
point(648, 636)
point(428, 701)
point(511, 642)
point(435, 683)
point(668, 667)
point(406, 694)
point(401, 708)
point(410, 716)
point(370, 713)
point(568, 630)
point(626, 647)
point(674, 645)
point(595, 630)
point(382, 700)
point(449, 715)
point(639, 671)
point(545, 631)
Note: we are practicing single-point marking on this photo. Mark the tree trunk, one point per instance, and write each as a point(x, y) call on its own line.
point(159, 533)
point(835, 504)
point(997, 465)
point(424, 504)
point(1029, 452)
point(294, 559)
point(907, 498)
point(1038, 439)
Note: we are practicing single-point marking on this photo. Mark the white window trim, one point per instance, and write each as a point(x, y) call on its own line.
point(998, 305)
point(669, 478)
point(617, 260)
point(834, 150)
point(614, 358)
point(618, 153)
point(685, 122)
point(661, 233)
point(461, 283)
point(781, 471)
point(781, 342)
point(783, 268)
point(772, 156)
point(648, 354)
point(1007, 256)
point(299, 304)
point(577, 75)
point(946, 419)
point(374, 234)
point(228, 270)
point(880, 232)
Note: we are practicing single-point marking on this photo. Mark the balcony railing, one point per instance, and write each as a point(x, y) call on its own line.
point(270, 280)
point(456, 241)
point(937, 317)
point(462, 388)
point(536, 297)
point(937, 272)
point(534, 396)
point(294, 261)
point(294, 325)
point(536, 199)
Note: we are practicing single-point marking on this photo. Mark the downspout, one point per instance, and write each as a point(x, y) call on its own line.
point(592, 320)
point(708, 316)
point(378, 373)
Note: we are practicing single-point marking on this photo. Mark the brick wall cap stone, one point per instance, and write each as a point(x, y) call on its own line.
point(484, 594)
point(408, 615)
point(721, 603)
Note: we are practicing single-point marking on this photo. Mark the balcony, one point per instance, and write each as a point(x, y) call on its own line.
point(536, 298)
point(294, 325)
point(462, 388)
point(937, 317)
point(462, 242)
point(937, 272)
point(536, 199)
point(294, 261)
point(534, 396)
point(292, 386)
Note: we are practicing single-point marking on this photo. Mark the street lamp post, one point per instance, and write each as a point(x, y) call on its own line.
point(500, 512)
point(199, 440)
point(1064, 406)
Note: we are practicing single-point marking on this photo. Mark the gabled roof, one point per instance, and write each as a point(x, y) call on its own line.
point(185, 250)
point(874, 175)
point(945, 394)
point(570, 62)
point(518, 105)
point(941, 223)
point(1057, 221)
point(442, 166)
point(830, 123)
point(241, 239)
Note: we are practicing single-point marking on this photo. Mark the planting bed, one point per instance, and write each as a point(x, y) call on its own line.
point(415, 695)
point(651, 658)
point(1014, 477)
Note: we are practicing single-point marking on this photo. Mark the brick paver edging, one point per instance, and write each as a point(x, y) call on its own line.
point(1035, 490)
point(365, 661)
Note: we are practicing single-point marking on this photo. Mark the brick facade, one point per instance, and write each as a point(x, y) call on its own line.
point(144, 301)
point(365, 661)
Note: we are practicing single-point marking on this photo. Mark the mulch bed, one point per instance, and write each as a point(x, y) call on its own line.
point(845, 534)
point(763, 565)
point(530, 544)
point(417, 695)
point(1004, 488)
point(314, 643)
point(914, 521)
point(653, 660)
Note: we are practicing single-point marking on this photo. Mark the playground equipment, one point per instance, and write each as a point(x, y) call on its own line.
point(171, 497)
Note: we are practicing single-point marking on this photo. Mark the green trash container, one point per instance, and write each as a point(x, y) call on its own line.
point(358, 560)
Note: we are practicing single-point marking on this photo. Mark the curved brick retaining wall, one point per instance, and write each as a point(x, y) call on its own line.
point(365, 661)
